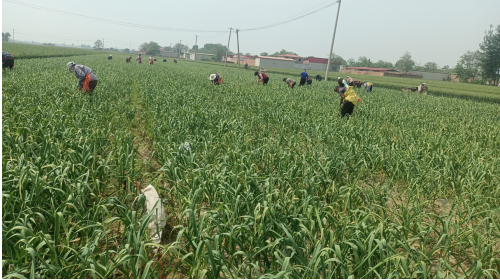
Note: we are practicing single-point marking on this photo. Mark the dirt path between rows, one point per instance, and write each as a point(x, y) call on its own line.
point(148, 167)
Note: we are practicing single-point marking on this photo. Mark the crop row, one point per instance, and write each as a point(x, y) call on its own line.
point(275, 184)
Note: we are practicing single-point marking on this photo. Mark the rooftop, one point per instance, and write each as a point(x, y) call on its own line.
point(289, 55)
point(272, 57)
point(370, 68)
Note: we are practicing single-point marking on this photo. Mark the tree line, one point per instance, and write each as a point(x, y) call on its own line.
point(482, 65)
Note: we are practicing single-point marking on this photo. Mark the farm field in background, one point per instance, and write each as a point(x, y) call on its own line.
point(20, 50)
point(272, 182)
point(439, 88)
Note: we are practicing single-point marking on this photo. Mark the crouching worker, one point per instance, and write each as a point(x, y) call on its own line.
point(261, 78)
point(87, 80)
point(318, 77)
point(348, 100)
point(309, 81)
point(290, 82)
point(368, 86)
point(216, 79)
point(7, 60)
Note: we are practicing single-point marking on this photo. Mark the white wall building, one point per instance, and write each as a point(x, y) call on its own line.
point(274, 62)
point(198, 56)
point(169, 54)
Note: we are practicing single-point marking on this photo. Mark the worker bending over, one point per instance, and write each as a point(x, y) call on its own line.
point(368, 86)
point(87, 80)
point(261, 77)
point(357, 84)
point(348, 100)
point(290, 82)
point(7, 60)
point(349, 81)
point(342, 82)
point(318, 77)
point(216, 79)
point(422, 88)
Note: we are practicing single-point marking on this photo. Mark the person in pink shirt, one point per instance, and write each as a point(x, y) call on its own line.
point(139, 59)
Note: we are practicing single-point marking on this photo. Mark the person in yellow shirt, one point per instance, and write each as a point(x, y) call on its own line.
point(368, 86)
point(348, 100)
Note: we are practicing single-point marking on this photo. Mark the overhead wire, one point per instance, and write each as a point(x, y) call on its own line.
point(306, 12)
point(128, 24)
point(287, 21)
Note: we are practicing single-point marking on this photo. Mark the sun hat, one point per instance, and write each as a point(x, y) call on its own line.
point(212, 77)
point(71, 63)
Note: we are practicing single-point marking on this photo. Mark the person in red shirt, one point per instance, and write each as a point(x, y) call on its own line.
point(261, 78)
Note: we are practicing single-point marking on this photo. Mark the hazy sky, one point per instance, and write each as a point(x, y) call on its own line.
point(431, 30)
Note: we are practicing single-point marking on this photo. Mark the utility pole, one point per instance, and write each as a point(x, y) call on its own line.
point(333, 39)
point(238, 42)
point(196, 44)
point(230, 29)
point(180, 45)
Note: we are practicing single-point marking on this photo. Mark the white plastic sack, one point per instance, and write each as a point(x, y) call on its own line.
point(158, 220)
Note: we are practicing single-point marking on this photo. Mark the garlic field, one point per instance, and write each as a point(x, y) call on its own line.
point(271, 183)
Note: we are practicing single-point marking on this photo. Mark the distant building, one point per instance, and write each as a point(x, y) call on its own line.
point(198, 56)
point(374, 71)
point(432, 75)
point(248, 59)
point(229, 58)
point(275, 62)
point(165, 53)
point(319, 64)
point(371, 69)
point(298, 59)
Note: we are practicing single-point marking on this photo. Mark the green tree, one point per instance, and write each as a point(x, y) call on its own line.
point(181, 49)
point(489, 58)
point(218, 50)
point(153, 48)
point(168, 48)
point(383, 64)
point(446, 68)
point(5, 37)
point(468, 66)
point(405, 62)
point(337, 59)
point(126, 50)
point(283, 51)
point(98, 44)
point(264, 54)
point(431, 66)
point(351, 62)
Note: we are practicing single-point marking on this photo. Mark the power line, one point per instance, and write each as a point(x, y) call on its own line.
point(286, 21)
point(107, 20)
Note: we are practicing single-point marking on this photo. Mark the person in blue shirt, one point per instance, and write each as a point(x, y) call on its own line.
point(303, 77)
